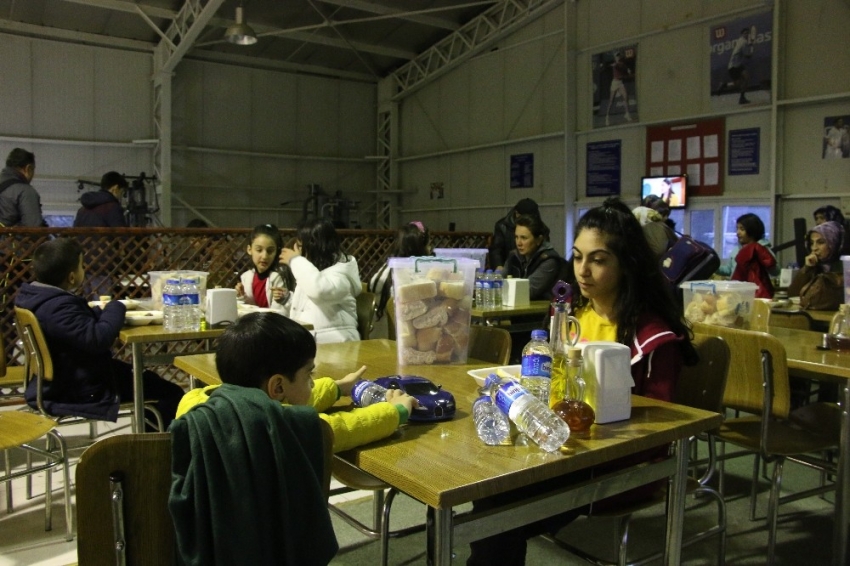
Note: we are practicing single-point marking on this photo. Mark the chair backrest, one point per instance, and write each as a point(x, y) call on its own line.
point(490, 344)
point(11, 377)
point(365, 314)
point(760, 315)
point(37, 355)
point(390, 311)
point(792, 319)
point(144, 460)
point(702, 385)
point(746, 383)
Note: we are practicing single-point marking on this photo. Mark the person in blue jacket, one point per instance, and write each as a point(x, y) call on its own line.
point(102, 209)
point(87, 382)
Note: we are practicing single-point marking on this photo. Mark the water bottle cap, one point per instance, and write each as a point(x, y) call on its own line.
point(491, 379)
point(539, 334)
point(172, 281)
point(489, 271)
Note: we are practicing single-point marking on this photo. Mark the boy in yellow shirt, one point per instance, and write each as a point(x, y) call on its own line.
point(268, 351)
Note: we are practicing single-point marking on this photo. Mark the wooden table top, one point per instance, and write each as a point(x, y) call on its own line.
point(806, 360)
point(157, 333)
point(818, 316)
point(445, 464)
point(535, 307)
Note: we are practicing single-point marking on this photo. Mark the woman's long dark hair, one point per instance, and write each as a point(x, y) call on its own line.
point(643, 288)
point(320, 244)
point(412, 240)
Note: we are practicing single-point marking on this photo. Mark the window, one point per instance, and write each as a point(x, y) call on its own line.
point(702, 226)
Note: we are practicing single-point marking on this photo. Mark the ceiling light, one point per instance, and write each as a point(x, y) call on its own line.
point(240, 33)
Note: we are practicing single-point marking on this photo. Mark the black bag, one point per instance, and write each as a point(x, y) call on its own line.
point(688, 260)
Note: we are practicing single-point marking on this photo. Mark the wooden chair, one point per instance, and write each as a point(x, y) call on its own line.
point(365, 314)
point(759, 387)
point(39, 366)
point(137, 467)
point(699, 386)
point(11, 379)
point(791, 319)
point(19, 430)
point(490, 343)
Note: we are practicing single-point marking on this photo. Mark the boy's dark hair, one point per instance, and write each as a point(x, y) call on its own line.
point(112, 178)
point(260, 345)
point(20, 158)
point(753, 225)
point(54, 260)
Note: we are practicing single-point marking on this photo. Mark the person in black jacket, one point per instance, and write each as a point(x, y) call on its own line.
point(534, 258)
point(88, 381)
point(502, 243)
point(102, 209)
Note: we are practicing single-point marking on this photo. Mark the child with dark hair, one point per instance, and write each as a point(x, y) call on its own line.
point(263, 285)
point(754, 260)
point(328, 280)
point(412, 240)
point(243, 359)
point(87, 382)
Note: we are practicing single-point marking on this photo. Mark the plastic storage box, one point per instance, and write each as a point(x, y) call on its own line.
point(725, 303)
point(478, 254)
point(158, 278)
point(433, 299)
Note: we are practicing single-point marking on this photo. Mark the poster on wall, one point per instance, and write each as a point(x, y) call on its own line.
point(836, 137)
point(604, 168)
point(522, 171)
point(614, 92)
point(744, 151)
point(695, 148)
point(741, 61)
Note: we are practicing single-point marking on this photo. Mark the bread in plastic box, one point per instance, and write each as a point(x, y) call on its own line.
point(723, 303)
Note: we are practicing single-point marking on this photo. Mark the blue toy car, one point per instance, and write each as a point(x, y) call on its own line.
point(435, 404)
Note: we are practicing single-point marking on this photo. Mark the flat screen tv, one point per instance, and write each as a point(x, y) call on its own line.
point(673, 189)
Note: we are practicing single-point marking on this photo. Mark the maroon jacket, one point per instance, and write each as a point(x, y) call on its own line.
point(753, 264)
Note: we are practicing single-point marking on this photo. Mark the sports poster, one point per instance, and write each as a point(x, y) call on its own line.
point(614, 92)
point(836, 137)
point(740, 62)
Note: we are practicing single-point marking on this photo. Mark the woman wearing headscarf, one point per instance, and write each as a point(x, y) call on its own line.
point(820, 282)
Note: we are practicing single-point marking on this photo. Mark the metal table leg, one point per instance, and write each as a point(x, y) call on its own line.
point(842, 487)
point(676, 505)
point(138, 388)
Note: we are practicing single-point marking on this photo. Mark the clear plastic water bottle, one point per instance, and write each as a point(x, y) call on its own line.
point(191, 302)
point(479, 288)
point(488, 289)
point(497, 288)
point(536, 373)
point(532, 416)
point(491, 423)
point(367, 393)
point(172, 315)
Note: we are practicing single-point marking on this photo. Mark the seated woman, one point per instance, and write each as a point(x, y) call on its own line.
point(534, 258)
point(624, 298)
point(820, 282)
point(327, 282)
point(412, 240)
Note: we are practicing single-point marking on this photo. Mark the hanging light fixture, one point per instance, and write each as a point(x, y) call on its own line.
point(240, 33)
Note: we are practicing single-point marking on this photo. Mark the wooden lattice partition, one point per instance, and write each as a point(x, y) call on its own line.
point(120, 259)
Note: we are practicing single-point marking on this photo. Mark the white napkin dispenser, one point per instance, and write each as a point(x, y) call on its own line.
point(515, 292)
point(608, 373)
point(221, 306)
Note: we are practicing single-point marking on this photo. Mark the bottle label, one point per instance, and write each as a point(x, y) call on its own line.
point(537, 365)
point(192, 299)
point(171, 300)
point(358, 389)
point(506, 394)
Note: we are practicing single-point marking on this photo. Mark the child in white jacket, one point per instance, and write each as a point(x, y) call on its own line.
point(327, 282)
point(262, 285)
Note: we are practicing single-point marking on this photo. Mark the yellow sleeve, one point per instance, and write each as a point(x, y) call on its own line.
point(194, 397)
point(324, 394)
point(361, 426)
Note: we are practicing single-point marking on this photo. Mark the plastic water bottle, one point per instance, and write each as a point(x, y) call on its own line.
point(491, 423)
point(532, 416)
point(536, 373)
point(367, 393)
point(497, 288)
point(191, 303)
point(172, 314)
point(479, 288)
point(488, 289)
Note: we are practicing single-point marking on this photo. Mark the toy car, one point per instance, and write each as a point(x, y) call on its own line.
point(435, 404)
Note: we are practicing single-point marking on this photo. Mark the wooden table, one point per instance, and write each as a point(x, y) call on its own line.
point(806, 360)
point(821, 318)
point(445, 464)
point(540, 308)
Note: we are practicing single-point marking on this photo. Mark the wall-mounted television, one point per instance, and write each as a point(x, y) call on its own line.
point(673, 189)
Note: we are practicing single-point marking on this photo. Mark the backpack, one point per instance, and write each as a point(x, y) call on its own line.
point(688, 260)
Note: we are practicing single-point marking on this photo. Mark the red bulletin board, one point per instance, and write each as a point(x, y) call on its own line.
point(695, 148)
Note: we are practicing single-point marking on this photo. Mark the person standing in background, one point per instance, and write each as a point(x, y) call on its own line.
point(102, 209)
point(502, 243)
point(737, 68)
point(20, 204)
point(619, 71)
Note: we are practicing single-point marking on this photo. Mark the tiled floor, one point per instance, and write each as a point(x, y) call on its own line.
point(23, 540)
